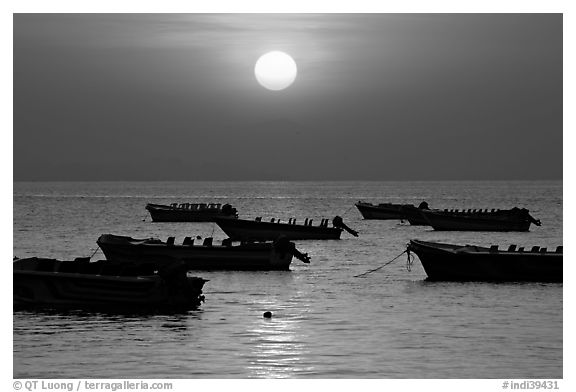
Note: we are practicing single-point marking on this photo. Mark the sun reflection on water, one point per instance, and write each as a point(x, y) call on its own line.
point(279, 346)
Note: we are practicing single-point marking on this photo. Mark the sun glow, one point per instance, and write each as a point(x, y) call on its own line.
point(275, 70)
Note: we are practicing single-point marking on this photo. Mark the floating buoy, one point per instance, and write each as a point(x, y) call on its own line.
point(267, 314)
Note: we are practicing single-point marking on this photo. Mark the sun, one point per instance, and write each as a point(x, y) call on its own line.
point(275, 70)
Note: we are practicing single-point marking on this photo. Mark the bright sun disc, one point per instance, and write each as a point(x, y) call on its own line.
point(275, 70)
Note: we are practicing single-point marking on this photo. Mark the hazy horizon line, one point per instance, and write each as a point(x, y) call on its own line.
point(309, 180)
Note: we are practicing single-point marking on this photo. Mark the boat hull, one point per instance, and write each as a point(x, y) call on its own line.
point(456, 263)
point(443, 221)
point(245, 230)
point(161, 213)
point(381, 212)
point(61, 290)
point(245, 257)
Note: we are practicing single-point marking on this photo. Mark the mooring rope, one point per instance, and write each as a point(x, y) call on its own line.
point(97, 249)
point(385, 264)
point(410, 260)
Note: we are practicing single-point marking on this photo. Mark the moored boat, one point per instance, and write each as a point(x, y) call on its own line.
point(386, 211)
point(104, 285)
point(256, 230)
point(206, 256)
point(475, 263)
point(189, 212)
point(515, 219)
point(382, 211)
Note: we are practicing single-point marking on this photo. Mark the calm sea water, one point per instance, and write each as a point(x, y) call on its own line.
point(327, 324)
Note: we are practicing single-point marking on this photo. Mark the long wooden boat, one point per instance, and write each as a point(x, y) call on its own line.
point(382, 211)
point(205, 256)
point(104, 285)
point(256, 230)
point(475, 263)
point(187, 212)
point(515, 219)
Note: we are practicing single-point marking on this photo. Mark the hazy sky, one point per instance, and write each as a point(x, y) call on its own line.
point(377, 97)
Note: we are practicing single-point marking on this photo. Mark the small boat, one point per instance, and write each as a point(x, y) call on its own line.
point(256, 230)
point(187, 212)
point(206, 256)
point(104, 285)
point(388, 211)
point(382, 211)
point(515, 219)
point(475, 263)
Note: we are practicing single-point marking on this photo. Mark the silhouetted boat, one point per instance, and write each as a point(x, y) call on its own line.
point(228, 256)
point(476, 263)
point(412, 213)
point(388, 211)
point(104, 285)
point(382, 211)
point(515, 219)
point(187, 212)
point(256, 230)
